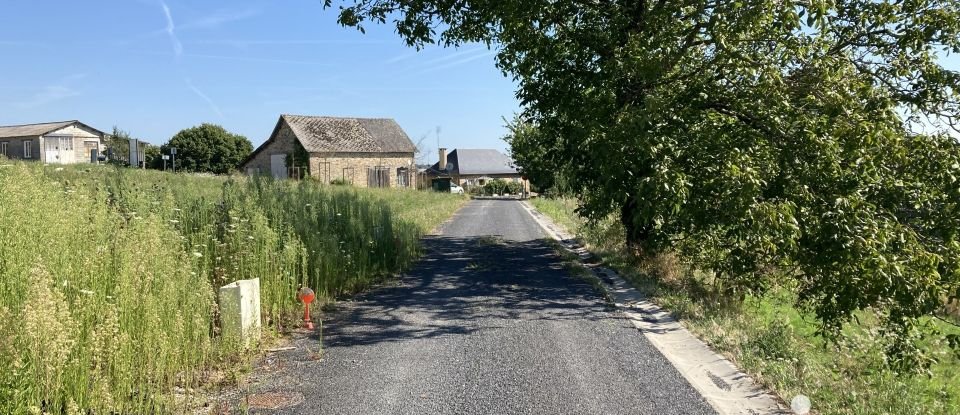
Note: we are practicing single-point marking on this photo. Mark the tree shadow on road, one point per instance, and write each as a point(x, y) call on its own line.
point(463, 286)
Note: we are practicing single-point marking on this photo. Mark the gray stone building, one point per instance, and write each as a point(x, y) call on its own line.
point(469, 167)
point(366, 152)
point(62, 142)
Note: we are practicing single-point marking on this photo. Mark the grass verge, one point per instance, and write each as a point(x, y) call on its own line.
point(773, 340)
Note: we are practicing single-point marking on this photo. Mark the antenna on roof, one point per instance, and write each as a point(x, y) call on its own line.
point(438, 136)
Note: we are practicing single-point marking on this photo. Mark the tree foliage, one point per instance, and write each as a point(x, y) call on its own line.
point(777, 135)
point(208, 148)
point(117, 149)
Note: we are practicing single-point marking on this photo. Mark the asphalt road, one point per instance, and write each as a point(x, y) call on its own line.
point(487, 323)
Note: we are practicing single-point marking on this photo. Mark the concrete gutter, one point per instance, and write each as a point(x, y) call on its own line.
point(728, 389)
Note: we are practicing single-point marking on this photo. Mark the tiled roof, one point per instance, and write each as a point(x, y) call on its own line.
point(361, 135)
point(470, 161)
point(30, 130)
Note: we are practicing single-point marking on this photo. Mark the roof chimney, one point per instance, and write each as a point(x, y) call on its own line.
point(443, 159)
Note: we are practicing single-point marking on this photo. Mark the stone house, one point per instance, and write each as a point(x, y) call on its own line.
point(366, 152)
point(469, 167)
point(63, 142)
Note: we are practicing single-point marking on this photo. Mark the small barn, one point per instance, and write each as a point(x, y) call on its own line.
point(62, 142)
point(365, 152)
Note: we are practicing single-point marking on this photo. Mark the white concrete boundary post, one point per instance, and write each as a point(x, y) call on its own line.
point(240, 311)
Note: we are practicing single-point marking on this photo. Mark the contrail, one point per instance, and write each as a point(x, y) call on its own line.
point(454, 55)
point(213, 105)
point(460, 61)
point(177, 46)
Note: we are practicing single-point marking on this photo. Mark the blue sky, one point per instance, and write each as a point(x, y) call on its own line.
point(153, 68)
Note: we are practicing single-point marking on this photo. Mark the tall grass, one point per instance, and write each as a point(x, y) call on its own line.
point(108, 276)
point(773, 340)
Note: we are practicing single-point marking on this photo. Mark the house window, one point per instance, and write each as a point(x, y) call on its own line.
point(28, 149)
point(378, 176)
point(348, 174)
point(66, 143)
point(3, 149)
point(403, 177)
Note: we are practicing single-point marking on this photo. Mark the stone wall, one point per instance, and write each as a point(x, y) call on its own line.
point(353, 167)
point(283, 143)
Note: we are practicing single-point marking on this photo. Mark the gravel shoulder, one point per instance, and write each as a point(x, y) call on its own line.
point(487, 323)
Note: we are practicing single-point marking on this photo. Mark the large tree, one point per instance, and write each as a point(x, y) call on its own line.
point(776, 134)
point(208, 148)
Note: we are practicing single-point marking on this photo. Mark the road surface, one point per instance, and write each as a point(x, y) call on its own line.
point(487, 323)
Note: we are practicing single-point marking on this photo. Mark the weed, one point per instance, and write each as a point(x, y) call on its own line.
point(573, 266)
point(772, 339)
point(108, 276)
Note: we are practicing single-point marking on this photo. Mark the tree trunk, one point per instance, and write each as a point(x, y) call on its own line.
point(636, 233)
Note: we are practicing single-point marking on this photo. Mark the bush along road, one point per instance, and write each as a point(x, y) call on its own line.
point(489, 321)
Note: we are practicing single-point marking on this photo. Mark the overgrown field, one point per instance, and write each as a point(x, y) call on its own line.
point(773, 340)
point(108, 276)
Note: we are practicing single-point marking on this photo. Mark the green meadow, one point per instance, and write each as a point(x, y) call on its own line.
point(108, 277)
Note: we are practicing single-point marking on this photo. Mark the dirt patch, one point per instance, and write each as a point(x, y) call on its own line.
point(274, 400)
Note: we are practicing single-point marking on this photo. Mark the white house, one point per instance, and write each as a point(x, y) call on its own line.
point(64, 142)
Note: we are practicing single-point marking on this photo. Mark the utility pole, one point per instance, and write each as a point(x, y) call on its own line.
point(173, 157)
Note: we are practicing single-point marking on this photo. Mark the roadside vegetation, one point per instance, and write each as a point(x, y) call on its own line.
point(497, 187)
point(773, 340)
point(108, 276)
point(812, 146)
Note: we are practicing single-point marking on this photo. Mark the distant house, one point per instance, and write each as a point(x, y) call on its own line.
point(474, 167)
point(367, 152)
point(64, 142)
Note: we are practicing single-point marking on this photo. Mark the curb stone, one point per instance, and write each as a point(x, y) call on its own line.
point(728, 389)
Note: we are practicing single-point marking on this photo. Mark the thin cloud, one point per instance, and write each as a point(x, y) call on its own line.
point(49, 94)
point(177, 46)
point(243, 43)
point(249, 59)
point(75, 77)
point(219, 18)
point(400, 58)
point(459, 62)
point(170, 30)
point(454, 55)
point(54, 92)
point(213, 105)
point(238, 58)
